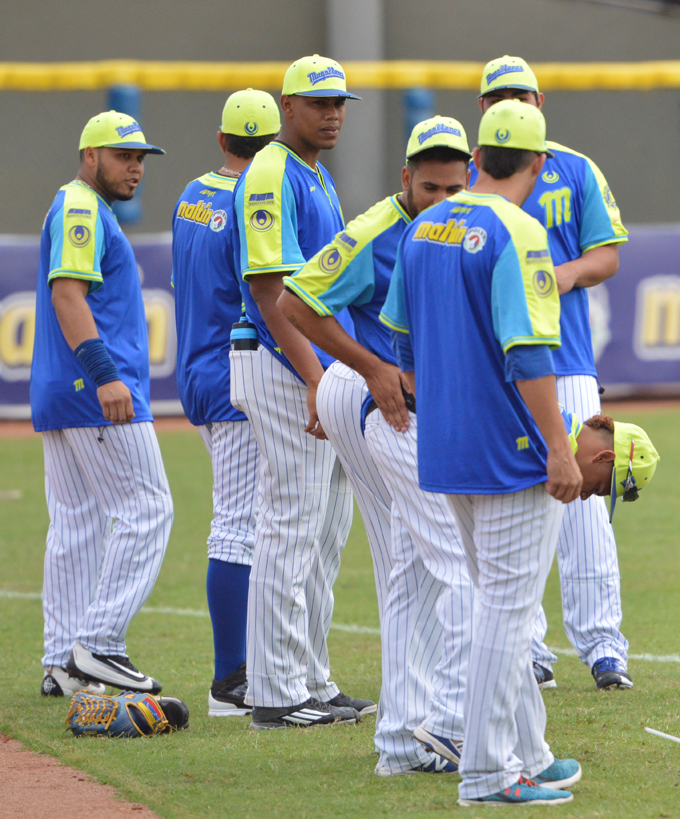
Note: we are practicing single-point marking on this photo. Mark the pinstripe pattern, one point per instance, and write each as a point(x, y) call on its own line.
point(110, 518)
point(510, 543)
point(338, 402)
point(587, 560)
point(233, 452)
point(428, 609)
point(299, 534)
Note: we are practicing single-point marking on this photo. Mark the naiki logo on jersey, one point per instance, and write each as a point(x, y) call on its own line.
point(451, 233)
point(544, 283)
point(320, 76)
point(330, 260)
point(262, 221)
point(195, 213)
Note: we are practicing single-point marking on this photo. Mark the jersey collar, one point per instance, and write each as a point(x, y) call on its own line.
point(400, 210)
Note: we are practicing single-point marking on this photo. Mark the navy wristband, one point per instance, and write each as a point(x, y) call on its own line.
point(97, 361)
point(526, 362)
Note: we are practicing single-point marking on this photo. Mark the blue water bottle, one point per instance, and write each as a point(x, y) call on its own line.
point(244, 335)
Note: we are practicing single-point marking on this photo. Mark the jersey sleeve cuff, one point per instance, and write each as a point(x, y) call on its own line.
point(96, 279)
point(516, 341)
point(318, 306)
point(280, 268)
point(387, 321)
point(616, 240)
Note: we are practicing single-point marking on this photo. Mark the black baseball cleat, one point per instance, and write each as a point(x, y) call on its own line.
point(114, 670)
point(57, 683)
point(544, 676)
point(341, 700)
point(227, 696)
point(609, 672)
point(311, 712)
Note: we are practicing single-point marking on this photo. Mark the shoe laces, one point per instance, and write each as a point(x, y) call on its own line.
point(530, 783)
point(608, 664)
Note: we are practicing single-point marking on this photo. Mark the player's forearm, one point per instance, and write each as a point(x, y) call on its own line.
point(73, 312)
point(540, 396)
point(265, 289)
point(592, 268)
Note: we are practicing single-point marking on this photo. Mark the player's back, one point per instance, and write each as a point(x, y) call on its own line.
point(207, 297)
point(82, 239)
point(476, 271)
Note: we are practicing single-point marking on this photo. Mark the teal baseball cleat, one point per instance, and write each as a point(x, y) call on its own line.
point(523, 792)
point(563, 773)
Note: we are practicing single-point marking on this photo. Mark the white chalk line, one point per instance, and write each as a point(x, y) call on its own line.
point(350, 628)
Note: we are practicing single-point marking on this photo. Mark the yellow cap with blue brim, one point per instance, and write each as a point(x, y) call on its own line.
point(437, 132)
point(635, 462)
point(514, 124)
point(508, 72)
point(111, 129)
point(316, 76)
point(251, 113)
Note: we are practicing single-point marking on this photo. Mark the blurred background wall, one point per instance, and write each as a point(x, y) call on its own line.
point(633, 136)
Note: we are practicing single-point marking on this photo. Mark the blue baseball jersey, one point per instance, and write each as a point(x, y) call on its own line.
point(285, 212)
point(207, 297)
point(473, 279)
point(354, 271)
point(81, 239)
point(575, 204)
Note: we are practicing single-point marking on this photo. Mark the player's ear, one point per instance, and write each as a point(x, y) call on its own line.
point(222, 140)
point(605, 456)
point(405, 178)
point(477, 158)
point(287, 105)
point(89, 157)
point(540, 100)
point(538, 163)
point(467, 180)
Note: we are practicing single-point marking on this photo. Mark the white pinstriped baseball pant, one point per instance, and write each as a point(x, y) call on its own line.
point(233, 453)
point(110, 518)
point(302, 526)
point(427, 618)
point(510, 544)
point(587, 560)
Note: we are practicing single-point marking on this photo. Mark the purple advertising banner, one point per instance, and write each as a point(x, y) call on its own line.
point(635, 318)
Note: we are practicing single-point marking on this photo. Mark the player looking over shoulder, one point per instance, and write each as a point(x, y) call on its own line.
point(286, 209)
point(107, 494)
point(354, 272)
point(207, 303)
point(573, 201)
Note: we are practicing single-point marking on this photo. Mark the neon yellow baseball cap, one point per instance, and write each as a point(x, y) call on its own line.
point(251, 113)
point(513, 124)
point(111, 129)
point(437, 132)
point(316, 76)
point(635, 462)
point(507, 72)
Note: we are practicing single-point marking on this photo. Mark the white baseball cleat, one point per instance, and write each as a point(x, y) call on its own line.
point(57, 683)
point(114, 670)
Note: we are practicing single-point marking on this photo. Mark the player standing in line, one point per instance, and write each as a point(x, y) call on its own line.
point(207, 303)
point(286, 209)
point(474, 302)
point(354, 271)
point(90, 399)
point(573, 201)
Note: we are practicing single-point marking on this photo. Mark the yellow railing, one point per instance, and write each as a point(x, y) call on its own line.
point(213, 76)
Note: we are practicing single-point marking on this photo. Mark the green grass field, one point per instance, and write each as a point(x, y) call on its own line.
point(219, 768)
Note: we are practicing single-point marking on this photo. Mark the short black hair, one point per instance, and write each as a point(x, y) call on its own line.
point(501, 163)
point(246, 147)
point(440, 153)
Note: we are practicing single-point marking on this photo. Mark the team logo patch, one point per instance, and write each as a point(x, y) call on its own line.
point(537, 254)
point(79, 212)
point(347, 239)
point(320, 76)
point(126, 130)
point(544, 283)
point(502, 135)
point(330, 260)
point(218, 221)
point(251, 128)
point(475, 239)
point(79, 235)
point(261, 197)
point(504, 69)
point(608, 197)
point(550, 176)
point(261, 220)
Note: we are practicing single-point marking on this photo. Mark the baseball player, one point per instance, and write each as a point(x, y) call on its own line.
point(474, 302)
point(207, 303)
point(354, 271)
point(107, 493)
point(286, 209)
point(573, 201)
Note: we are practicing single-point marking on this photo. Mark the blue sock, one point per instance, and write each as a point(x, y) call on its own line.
point(227, 587)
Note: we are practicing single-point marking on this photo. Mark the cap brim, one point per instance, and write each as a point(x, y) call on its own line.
point(326, 92)
point(612, 495)
point(137, 146)
point(438, 145)
point(509, 85)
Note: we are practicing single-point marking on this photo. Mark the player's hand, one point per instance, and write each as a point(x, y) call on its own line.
point(566, 275)
point(314, 427)
point(384, 383)
point(116, 402)
point(564, 476)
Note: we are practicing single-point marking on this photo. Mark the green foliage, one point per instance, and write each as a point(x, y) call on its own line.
point(220, 768)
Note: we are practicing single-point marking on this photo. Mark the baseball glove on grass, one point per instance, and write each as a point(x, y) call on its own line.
point(128, 714)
